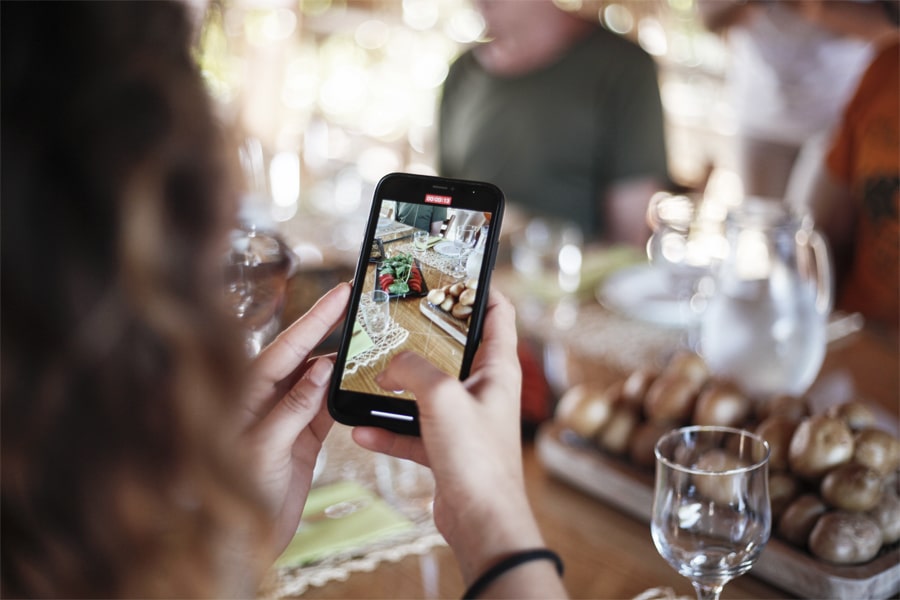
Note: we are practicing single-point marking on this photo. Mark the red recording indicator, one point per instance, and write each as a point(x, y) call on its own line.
point(435, 199)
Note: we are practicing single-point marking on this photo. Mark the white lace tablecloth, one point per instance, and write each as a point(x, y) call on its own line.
point(381, 345)
point(344, 460)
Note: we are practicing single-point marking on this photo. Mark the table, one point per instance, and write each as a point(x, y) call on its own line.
point(607, 553)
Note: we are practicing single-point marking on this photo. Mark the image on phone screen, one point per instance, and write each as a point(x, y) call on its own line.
point(419, 287)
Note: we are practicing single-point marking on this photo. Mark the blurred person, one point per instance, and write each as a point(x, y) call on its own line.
point(855, 199)
point(563, 115)
point(425, 217)
point(793, 66)
point(141, 455)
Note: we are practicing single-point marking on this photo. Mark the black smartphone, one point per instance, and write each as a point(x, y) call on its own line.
point(421, 284)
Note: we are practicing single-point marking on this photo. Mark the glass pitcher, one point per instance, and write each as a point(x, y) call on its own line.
point(765, 323)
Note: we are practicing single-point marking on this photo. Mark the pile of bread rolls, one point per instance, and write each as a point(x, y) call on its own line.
point(833, 477)
point(456, 299)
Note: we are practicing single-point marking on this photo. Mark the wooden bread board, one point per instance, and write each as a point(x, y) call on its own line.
point(631, 490)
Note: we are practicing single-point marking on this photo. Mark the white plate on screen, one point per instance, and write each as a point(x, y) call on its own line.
point(642, 292)
point(447, 249)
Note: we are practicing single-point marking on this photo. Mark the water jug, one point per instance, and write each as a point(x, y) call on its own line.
point(765, 323)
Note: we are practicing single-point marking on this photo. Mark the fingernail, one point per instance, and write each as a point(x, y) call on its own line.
point(320, 372)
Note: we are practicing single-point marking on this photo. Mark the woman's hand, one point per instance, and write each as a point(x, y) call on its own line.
point(471, 439)
point(287, 420)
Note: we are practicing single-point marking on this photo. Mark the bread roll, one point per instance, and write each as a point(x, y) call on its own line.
point(721, 403)
point(852, 487)
point(436, 296)
point(688, 365)
point(799, 518)
point(642, 446)
point(877, 449)
point(819, 444)
point(615, 434)
point(467, 297)
point(887, 515)
point(793, 407)
point(670, 398)
point(845, 538)
point(777, 430)
point(856, 414)
point(783, 488)
point(723, 489)
point(583, 410)
point(461, 311)
point(636, 385)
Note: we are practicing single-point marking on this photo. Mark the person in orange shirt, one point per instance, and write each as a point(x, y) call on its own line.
point(856, 199)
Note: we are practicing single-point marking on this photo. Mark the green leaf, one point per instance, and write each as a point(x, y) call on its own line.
point(399, 287)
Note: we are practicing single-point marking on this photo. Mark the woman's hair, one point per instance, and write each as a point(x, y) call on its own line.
point(120, 371)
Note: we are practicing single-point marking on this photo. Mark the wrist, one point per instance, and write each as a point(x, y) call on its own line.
point(510, 562)
point(481, 538)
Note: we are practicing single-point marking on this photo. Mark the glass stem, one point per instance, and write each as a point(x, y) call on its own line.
point(707, 592)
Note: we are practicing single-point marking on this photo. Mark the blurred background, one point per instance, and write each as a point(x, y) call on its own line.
point(324, 97)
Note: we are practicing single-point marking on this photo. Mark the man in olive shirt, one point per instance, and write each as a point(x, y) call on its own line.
point(422, 216)
point(563, 115)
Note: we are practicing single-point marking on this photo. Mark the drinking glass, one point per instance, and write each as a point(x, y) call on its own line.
point(256, 272)
point(673, 246)
point(464, 240)
point(711, 514)
point(420, 241)
point(376, 312)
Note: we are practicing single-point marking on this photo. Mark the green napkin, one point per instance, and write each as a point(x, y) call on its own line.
point(433, 240)
point(370, 519)
point(359, 341)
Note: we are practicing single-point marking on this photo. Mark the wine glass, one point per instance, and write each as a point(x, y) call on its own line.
point(681, 243)
point(255, 285)
point(711, 513)
point(464, 239)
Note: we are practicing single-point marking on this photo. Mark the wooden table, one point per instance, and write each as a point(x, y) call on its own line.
point(607, 553)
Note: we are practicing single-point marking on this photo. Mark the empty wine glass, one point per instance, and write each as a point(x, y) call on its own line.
point(679, 247)
point(711, 513)
point(464, 239)
point(256, 270)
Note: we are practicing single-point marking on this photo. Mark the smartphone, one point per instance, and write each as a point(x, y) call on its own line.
point(421, 284)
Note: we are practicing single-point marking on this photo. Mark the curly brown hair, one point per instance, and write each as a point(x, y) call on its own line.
point(119, 366)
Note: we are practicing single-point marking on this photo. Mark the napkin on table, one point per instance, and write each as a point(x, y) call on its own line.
point(359, 341)
point(319, 536)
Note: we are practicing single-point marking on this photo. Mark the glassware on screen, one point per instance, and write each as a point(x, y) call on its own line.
point(420, 241)
point(464, 239)
point(376, 312)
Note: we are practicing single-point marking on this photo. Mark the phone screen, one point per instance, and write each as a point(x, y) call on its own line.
point(420, 285)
